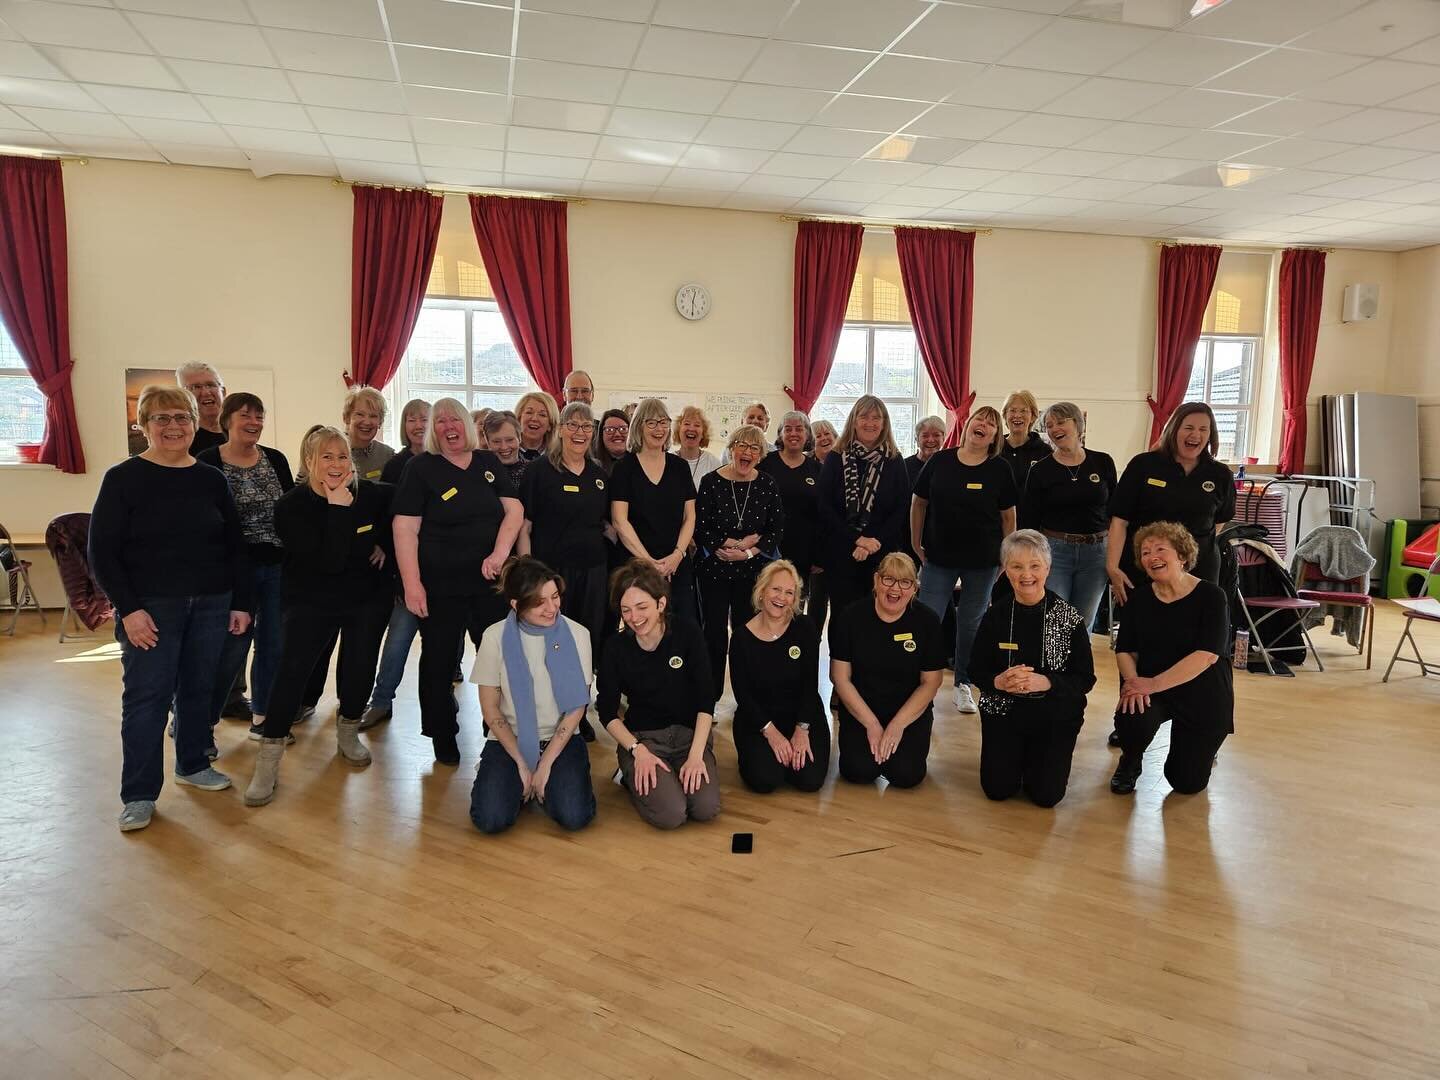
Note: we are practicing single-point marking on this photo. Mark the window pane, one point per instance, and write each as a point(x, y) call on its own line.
point(1195, 391)
point(496, 362)
point(437, 348)
point(488, 399)
point(834, 411)
point(1230, 374)
point(847, 373)
point(1234, 433)
point(896, 356)
point(902, 422)
point(22, 410)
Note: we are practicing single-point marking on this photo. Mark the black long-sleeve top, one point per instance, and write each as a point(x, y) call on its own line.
point(889, 516)
point(255, 500)
point(1050, 637)
point(733, 510)
point(777, 682)
point(162, 531)
point(328, 548)
point(667, 687)
point(393, 469)
point(800, 498)
point(1161, 634)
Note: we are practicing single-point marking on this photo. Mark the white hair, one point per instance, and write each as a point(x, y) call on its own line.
point(196, 367)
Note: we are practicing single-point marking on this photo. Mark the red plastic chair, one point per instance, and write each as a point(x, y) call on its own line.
point(1354, 593)
point(1427, 609)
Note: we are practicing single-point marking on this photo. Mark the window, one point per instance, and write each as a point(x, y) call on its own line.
point(1223, 374)
point(22, 406)
point(460, 349)
point(881, 360)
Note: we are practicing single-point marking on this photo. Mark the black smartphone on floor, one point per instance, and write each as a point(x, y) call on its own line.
point(741, 843)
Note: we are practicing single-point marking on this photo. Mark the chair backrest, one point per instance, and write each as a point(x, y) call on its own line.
point(1310, 572)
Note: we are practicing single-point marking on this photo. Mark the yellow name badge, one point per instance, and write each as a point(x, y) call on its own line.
point(1010, 646)
point(974, 487)
point(363, 529)
point(1154, 482)
point(573, 487)
point(373, 474)
point(447, 496)
point(903, 637)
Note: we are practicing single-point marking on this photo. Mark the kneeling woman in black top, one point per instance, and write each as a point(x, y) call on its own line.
point(1173, 637)
point(332, 581)
point(1032, 665)
point(660, 664)
point(887, 660)
point(782, 735)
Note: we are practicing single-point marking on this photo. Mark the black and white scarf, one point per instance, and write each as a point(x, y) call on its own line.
point(862, 479)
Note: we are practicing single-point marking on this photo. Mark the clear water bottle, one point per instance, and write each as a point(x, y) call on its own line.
point(1114, 635)
point(1241, 659)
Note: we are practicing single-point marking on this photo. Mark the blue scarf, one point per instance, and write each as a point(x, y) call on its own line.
point(567, 679)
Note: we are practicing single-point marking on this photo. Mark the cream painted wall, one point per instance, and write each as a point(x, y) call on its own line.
point(1414, 366)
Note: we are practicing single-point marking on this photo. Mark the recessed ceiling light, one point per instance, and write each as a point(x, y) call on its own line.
point(1202, 6)
point(1225, 174)
point(895, 148)
point(1165, 14)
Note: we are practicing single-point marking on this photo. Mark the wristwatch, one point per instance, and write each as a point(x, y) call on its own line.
point(634, 747)
point(803, 725)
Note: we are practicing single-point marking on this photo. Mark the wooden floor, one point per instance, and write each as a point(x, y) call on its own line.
point(1286, 923)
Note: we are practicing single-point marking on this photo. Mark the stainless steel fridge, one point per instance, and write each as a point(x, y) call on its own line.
point(1374, 437)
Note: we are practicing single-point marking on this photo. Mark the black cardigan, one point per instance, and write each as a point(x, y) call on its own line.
point(328, 548)
point(1060, 650)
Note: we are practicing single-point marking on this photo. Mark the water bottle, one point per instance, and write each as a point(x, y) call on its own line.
point(1114, 635)
point(1241, 660)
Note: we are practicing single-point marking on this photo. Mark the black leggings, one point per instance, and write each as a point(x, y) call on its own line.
point(307, 633)
point(1028, 749)
point(442, 632)
point(726, 605)
point(1194, 740)
point(586, 602)
point(906, 767)
point(817, 600)
point(763, 774)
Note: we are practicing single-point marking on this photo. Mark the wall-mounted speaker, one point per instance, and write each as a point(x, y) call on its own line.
point(1362, 303)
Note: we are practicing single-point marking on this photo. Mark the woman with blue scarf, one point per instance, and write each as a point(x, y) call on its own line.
point(533, 670)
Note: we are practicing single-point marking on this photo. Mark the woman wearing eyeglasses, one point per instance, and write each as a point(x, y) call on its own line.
point(166, 546)
point(652, 504)
point(612, 439)
point(887, 660)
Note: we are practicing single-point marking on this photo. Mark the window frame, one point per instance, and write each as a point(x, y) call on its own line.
point(1256, 343)
point(905, 437)
point(8, 447)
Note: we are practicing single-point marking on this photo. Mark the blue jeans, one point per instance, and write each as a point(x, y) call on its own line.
point(265, 633)
point(181, 667)
point(1077, 575)
point(495, 800)
point(937, 586)
point(399, 636)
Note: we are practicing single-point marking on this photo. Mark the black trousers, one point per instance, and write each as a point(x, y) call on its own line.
point(586, 602)
point(306, 633)
point(906, 767)
point(849, 583)
point(1028, 749)
point(817, 599)
point(726, 605)
point(441, 634)
point(1194, 740)
point(763, 774)
point(315, 685)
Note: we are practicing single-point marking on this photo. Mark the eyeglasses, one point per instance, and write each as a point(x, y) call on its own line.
point(194, 386)
point(903, 584)
point(617, 429)
point(747, 446)
point(579, 429)
point(166, 419)
point(663, 422)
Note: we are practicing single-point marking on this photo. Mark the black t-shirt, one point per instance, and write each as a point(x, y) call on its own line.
point(962, 520)
point(567, 513)
point(328, 548)
point(887, 658)
point(460, 514)
point(206, 440)
point(1066, 498)
point(1161, 635)
point(800, 496)
point(394, 469)
point(777, 681)
point(664, 688)
point(657, 511)
point(1021, 457)
point(1154, 487)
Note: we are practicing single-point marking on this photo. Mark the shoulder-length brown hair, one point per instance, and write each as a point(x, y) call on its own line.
point(993, 415)
point(1169, 435)
point(867, 403)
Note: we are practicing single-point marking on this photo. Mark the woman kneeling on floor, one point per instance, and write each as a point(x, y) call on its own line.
point(1032, 665)
point(1173, 634)
point(659, 662)
point(533, 670)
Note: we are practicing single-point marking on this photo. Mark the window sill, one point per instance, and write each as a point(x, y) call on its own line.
point(25, 465)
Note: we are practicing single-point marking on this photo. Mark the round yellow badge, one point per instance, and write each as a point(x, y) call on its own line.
point(910, 645)
point(810, 480)
point(1208, 485)
point(489, 477)
point(794, 652)
point(1094, 478)
point(677, 662)
point(599, 484)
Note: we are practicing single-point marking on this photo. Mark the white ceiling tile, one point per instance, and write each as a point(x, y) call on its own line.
point(915, 195)
point(617, 192)
point(860, 193)
point(978, 34)
point(627, 10)
point(331, 54)
point(870, 24)
point(1081, 46)
point(1426, 101)
point(519, 181)
point(887, 210)
point(1183, 60)
point(567, 82)
point(666, 195)
point(544, 165)
point(1379, 28)
point(460, 157)
point(988, 201)
point(695, 53)
point(1426, 52)
point(19, 59)
point(1077, 163)
point(1408, 215)
point(178, 131)
point(813, 166)
point(1096, 188)
point(1107, 99)
point(1130, 138)
point(339, 92)
point(869, 113)
point(756, 18)
point(461, 176)
point(61, 24)
point(26, 138)
point(1037, 129)
point(747, 134)
point(938, 151)
point(461, 71)
point(1290, 116)
point(1370, 125)
point(963, 121)
point(232, 80)
point(1375, 83)
point(1426, 167)
point(1284, 71)
point(647, 90)
point(723, 158)
point(830, 206)
point(442, 104)
point(836, 142)
point(383, 150)
point(45, 94)
point(220, 157)
point(1290, 153)
point(654, 124)
point(353, 122)
point(1424, 138)
point(1154, 169)
point(889, 173)
point(1272, 22)
point(130, 149)
point(223, 10)
point(781, 63)
point(1215, 146)
point(546, 36)
point(1060, 208)
point(1370, 159)
point(552, 143)
point(626, 172)
point(744, 200)
point(1415, 193)
point(1001, 156)
point(280, 142)
point(784, 103)
point(193, 39)
point(913, 77)
point(134, 101)
point(248, 113)
point(357, 18)
point(475, 136)
point(445, 25)
point(1013, 88)
point(74, 122)
point(946, 176)
point(1358, 187)
point(1200, 108)
point(92, 65)
point(640, 151)
point(376, 172)
point(712, 180)
point(790, 187)
point(561, 115)
point(265, 163)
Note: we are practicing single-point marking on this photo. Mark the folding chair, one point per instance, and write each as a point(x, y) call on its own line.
point(1427, 609)
point(17, 581)
point(1272, 606)
point(1354, 593)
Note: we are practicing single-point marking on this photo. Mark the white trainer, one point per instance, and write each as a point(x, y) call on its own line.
point(964, 701)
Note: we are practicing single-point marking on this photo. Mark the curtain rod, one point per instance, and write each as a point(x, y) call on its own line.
point(1248, 244)
point(451, 189)
point(881, 224)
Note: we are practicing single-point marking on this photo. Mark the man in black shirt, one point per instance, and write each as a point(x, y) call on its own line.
point(208, 389)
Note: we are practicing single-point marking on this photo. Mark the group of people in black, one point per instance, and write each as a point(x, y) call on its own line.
point(616, 560)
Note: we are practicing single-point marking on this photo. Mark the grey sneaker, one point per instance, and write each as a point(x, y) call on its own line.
point(373, 716)
point(257, 732)
point(136, 815)
point(207, 779)
point(305, 714)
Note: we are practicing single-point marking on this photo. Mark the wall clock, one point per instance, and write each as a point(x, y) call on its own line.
point(692, 301)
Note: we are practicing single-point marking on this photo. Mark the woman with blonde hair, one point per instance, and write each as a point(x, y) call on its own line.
point(962, 507)
point(824, 434)
point(692, 436)
point(363, 415)
point(539, 419)
point(1022, 446)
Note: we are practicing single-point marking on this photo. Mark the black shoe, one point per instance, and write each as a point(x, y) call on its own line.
point(237, 708)
point(307, 712)
point(587, 729)
point(1114, 739)
point(1126, 773)
point(446, 750)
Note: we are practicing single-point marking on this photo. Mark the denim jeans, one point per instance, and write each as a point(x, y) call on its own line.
point(496, 799)
point(399, 637)
point(937, 586)
point(265, 633)
point(1077, 575)
point(181, 667)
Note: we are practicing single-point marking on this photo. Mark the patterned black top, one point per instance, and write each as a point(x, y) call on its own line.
point(732, 510)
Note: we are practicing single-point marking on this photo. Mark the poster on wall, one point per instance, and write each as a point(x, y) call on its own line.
point(257, 381)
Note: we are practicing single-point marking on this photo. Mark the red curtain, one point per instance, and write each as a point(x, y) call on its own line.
point(1187, 274)
point(393, 248)
point(1302, 283)
point(826, 253)
point(35, 296)
point(526, 253)
point(937, 267)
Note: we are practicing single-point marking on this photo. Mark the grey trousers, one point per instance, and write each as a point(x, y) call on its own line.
point(667, 806)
